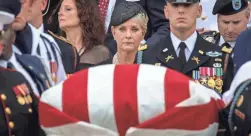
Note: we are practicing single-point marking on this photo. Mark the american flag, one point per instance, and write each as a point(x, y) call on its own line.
point(129, 100)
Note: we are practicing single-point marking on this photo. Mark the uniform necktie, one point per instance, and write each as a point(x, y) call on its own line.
point(10, 65)
point(227, 45)
point(182, 56)
point(103, 6)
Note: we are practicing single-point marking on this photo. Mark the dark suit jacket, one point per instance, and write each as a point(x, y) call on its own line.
point(158, 25)
point(156, 55)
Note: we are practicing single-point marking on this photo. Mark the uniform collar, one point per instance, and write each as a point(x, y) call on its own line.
point(190, 41)
point(232, 44)
point(13, 59)
point(3, 63)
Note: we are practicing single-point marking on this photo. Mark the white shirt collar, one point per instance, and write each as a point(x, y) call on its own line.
point(232, 44)
point(39, 30)
point(13, 59)
point(3, 63)
point(190, 41)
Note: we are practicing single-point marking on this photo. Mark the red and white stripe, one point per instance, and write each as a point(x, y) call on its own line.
point(129, 100)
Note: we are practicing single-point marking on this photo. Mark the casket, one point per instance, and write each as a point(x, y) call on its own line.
point(129, 100)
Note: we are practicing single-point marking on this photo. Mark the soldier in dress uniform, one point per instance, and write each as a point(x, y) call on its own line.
point(185, 51)
point(18, 104)
point(233, 16)
point(31, 67)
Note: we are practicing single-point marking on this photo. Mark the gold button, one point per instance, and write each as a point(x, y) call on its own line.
point(30, 110)
point(3, 97)
point(11, 124)
point(7, 110)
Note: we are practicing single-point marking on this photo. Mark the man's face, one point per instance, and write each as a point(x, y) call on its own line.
point(182, 17)
point(35, 9)
point(7, 38)
point(230, 26)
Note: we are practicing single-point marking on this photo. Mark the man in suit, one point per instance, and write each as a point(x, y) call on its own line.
point(158, 25)
point(185, 51)
point(31, 67)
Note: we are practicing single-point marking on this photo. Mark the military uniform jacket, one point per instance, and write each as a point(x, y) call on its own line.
point(214, 38)
point(37, 70)
point(204, 56)
point(18, 106)
point(70, 57)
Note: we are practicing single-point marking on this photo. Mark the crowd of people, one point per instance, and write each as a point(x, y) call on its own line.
point(125, 67)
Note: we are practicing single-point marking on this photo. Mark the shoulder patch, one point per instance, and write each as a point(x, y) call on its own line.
point(59, 37)
point(209, 36)
point(142, 47)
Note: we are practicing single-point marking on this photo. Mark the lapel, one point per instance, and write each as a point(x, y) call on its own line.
point(34, 67)
point(200, 45)
point(167, 55)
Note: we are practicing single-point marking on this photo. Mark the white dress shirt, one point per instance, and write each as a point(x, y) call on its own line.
point(190, 43)
point(20, 69)
point(44, 45)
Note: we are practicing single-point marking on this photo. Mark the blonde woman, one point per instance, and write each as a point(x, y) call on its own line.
point(129, 25)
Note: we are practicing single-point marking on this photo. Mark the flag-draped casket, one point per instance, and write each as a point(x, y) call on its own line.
point(129, 100)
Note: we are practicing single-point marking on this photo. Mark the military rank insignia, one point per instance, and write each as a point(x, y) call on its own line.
point(210, 77)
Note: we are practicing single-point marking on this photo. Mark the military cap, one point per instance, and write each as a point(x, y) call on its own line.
point(240, 111)
point(183, 1)
point(125, 11)
point(8, 10)
point(229, 7)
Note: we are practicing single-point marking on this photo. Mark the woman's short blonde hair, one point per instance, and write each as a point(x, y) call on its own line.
point(143, 20)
